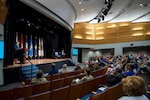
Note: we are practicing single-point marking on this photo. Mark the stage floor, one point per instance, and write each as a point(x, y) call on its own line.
point(36, 62)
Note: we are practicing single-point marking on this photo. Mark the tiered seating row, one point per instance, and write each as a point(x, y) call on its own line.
point(77, 74)
point(112, 93)
point(72, 91)
point(48, 89)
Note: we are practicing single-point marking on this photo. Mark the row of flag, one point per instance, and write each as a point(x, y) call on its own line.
point(38, 47)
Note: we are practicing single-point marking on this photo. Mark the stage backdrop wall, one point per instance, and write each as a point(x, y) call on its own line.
point(43, 35)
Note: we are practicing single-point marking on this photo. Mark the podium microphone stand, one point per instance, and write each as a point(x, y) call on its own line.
point(31, 65)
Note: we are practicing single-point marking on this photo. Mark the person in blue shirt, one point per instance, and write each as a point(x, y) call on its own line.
point(136, 66)
point(129, 70)
point(54, 70)
point(17, 52)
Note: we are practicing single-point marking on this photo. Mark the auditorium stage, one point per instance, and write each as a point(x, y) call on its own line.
point(37, 62)
point(13, 73)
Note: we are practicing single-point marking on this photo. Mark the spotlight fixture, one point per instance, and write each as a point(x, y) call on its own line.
point(29, 24)
point(102, 18)
point(99, 20)
point(103, 12)
point(109, 6)
point(106, 1)
point(109, 2)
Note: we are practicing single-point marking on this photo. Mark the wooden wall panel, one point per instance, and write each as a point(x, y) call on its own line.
point(111, 35)
point(100, 41)
point(89, 42)
point(104, 33)
point(124, 34)
point(111, 40)
point(78, 41)
point(138, 38)
point(124, 39)
point(3, 11)
point(147, 37)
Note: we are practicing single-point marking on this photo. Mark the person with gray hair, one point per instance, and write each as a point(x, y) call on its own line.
point(64, 69)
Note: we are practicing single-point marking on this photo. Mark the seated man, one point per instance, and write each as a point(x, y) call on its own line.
point(87, 76)
point(54, 69)
point(77, 66)
point(116, 77)
point(38, 78)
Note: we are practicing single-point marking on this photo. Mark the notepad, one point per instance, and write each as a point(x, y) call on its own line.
point(102, 88)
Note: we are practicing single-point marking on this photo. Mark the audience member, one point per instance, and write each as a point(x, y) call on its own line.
point(143, 65)
point(77, 66)
point(95, 66)
point(54, 70)
point(134, 87)
point(115, 78)
point(86, 65)
point(39, 78)
point(88, 75)
point(64, 69)
point(17, 52)
point(129, 70)
point(136, 66)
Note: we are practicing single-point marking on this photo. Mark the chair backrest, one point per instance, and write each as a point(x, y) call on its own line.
point(57, 83)
point(75, 91)
point(119, 90)
point(79, 71)
point(104, 70)
point(87, 87)
point(41, 87)
point(63, 75)
point(104, 79)
point(55, 76)
point(48, 77)
point(99, 96)
point(97, 82)
point(6, 94)
point(22, 91)
point(111, 93)
point(72, 73)
point(60, 93)
point(40, 96)
point(68, 80)
point(95, 73)
point(101, 71)
point(80, 75)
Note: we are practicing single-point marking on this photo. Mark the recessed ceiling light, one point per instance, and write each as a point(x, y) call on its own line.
point(80, 3)
point(82, 9)
point(141, 5)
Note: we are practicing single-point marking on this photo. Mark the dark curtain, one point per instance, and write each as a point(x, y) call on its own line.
point(9, 39)
point(80, 55)
point(25, 20)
